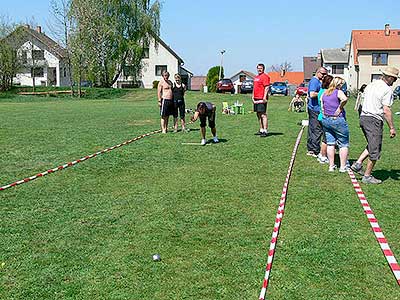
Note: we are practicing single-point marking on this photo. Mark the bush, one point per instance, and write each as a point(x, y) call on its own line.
point(213, 77)
point(155, 84)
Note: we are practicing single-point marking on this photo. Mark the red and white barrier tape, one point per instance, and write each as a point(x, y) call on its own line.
point(279, 217)
point(387, 252)
point(2, 188)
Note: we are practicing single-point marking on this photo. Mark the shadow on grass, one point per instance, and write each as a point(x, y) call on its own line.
point(386, 174)
point(220, 141)
point(274, 133)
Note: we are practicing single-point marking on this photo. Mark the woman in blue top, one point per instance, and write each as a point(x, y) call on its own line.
point(334, 123)
point(322, 156)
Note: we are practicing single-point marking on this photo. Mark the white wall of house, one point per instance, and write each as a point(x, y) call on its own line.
point(236, 80)
point(345, 75)
point(157, 57)
point(50, 62)
point(366, 69)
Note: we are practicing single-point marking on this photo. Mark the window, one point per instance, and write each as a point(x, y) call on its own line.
point(379, 59)
point(24, 57)
point(37, 72)
point(146, 53)
point(38, 54)
point(160, 69)
point(375, 77)
point(129, 71)
point(337, 69)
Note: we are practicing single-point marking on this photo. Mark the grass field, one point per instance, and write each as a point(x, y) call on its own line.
point(88, 232)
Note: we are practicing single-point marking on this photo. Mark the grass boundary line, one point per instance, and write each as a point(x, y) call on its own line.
point(380, 238)
point(69, 164)
point(279, 217)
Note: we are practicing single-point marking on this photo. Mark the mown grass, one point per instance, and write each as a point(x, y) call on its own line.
point(88, 232)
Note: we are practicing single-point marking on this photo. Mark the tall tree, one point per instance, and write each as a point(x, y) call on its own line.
point(8, 55)
point(213, 77)
point(113, 34)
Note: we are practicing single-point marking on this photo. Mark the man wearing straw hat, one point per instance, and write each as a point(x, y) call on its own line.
point(376, 107)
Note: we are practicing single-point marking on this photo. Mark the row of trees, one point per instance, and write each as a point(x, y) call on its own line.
point(101, 38)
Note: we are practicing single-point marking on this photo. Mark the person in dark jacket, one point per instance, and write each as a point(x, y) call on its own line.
point(204, 111)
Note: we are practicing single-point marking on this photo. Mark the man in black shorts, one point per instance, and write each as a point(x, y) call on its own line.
point(204, 111)
point(260, 99)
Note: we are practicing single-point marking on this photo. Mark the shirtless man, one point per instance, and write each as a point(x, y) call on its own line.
point(165, 100)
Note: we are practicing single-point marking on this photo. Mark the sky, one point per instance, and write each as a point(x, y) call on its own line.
point(250, 32)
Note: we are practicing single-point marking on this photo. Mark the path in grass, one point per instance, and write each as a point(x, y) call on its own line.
point(88, 232)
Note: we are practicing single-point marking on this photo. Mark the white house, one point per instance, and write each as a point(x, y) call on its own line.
point(157, 58)
point(41, 57)
point(241, 76)
point(336, 61)
point(370, 52)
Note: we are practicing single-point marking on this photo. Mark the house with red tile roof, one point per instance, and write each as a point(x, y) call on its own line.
point(294, 78)
point(370, 52)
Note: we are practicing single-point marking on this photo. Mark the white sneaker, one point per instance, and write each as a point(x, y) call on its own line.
point(344, 170)
point(332, 168)
point(203, 142)
point(215, 139)
point(322, 159)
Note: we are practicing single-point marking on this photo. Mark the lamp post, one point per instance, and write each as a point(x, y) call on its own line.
point(220, 67)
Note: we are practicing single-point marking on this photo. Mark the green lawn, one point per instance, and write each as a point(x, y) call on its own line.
point(88, 232)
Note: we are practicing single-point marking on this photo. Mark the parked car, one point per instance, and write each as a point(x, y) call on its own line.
point(246, 87)
point(279, 88)
point(225, 85)
point(396, 93)
point(302, 89)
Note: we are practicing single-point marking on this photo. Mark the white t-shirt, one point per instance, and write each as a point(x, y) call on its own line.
point(376, 95)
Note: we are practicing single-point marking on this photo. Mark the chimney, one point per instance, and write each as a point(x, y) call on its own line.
point(39, 29)
point(387, 29)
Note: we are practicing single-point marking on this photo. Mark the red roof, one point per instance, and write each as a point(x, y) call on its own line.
point(374, 40)
point(291, 77)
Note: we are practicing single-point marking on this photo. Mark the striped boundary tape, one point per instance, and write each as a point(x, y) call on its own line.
point(2, 188)
point(387, 252)
point(279, 217)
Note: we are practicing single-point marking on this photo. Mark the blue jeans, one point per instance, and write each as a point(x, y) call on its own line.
point(336, 131)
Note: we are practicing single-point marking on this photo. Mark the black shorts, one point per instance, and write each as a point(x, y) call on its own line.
point(179, 106)
point(373, 132)
point(167, 108)
point(211, 120)
point(260, 108)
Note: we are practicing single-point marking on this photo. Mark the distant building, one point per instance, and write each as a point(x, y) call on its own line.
point(41, 58)
point(158, 56)
point(336, 61)
point(198, 82)
point(294, 78)
point(241, 76)
point(310, 65)
point(370, 52)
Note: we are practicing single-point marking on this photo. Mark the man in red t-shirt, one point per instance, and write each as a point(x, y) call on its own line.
point(260, 99)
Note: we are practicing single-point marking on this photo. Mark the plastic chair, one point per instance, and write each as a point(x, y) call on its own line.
point(225, 108)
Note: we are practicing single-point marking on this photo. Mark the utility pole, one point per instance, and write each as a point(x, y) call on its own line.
point(220, 67)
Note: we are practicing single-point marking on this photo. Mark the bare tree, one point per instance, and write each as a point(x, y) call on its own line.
point(282, 68)
point(61, 26)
